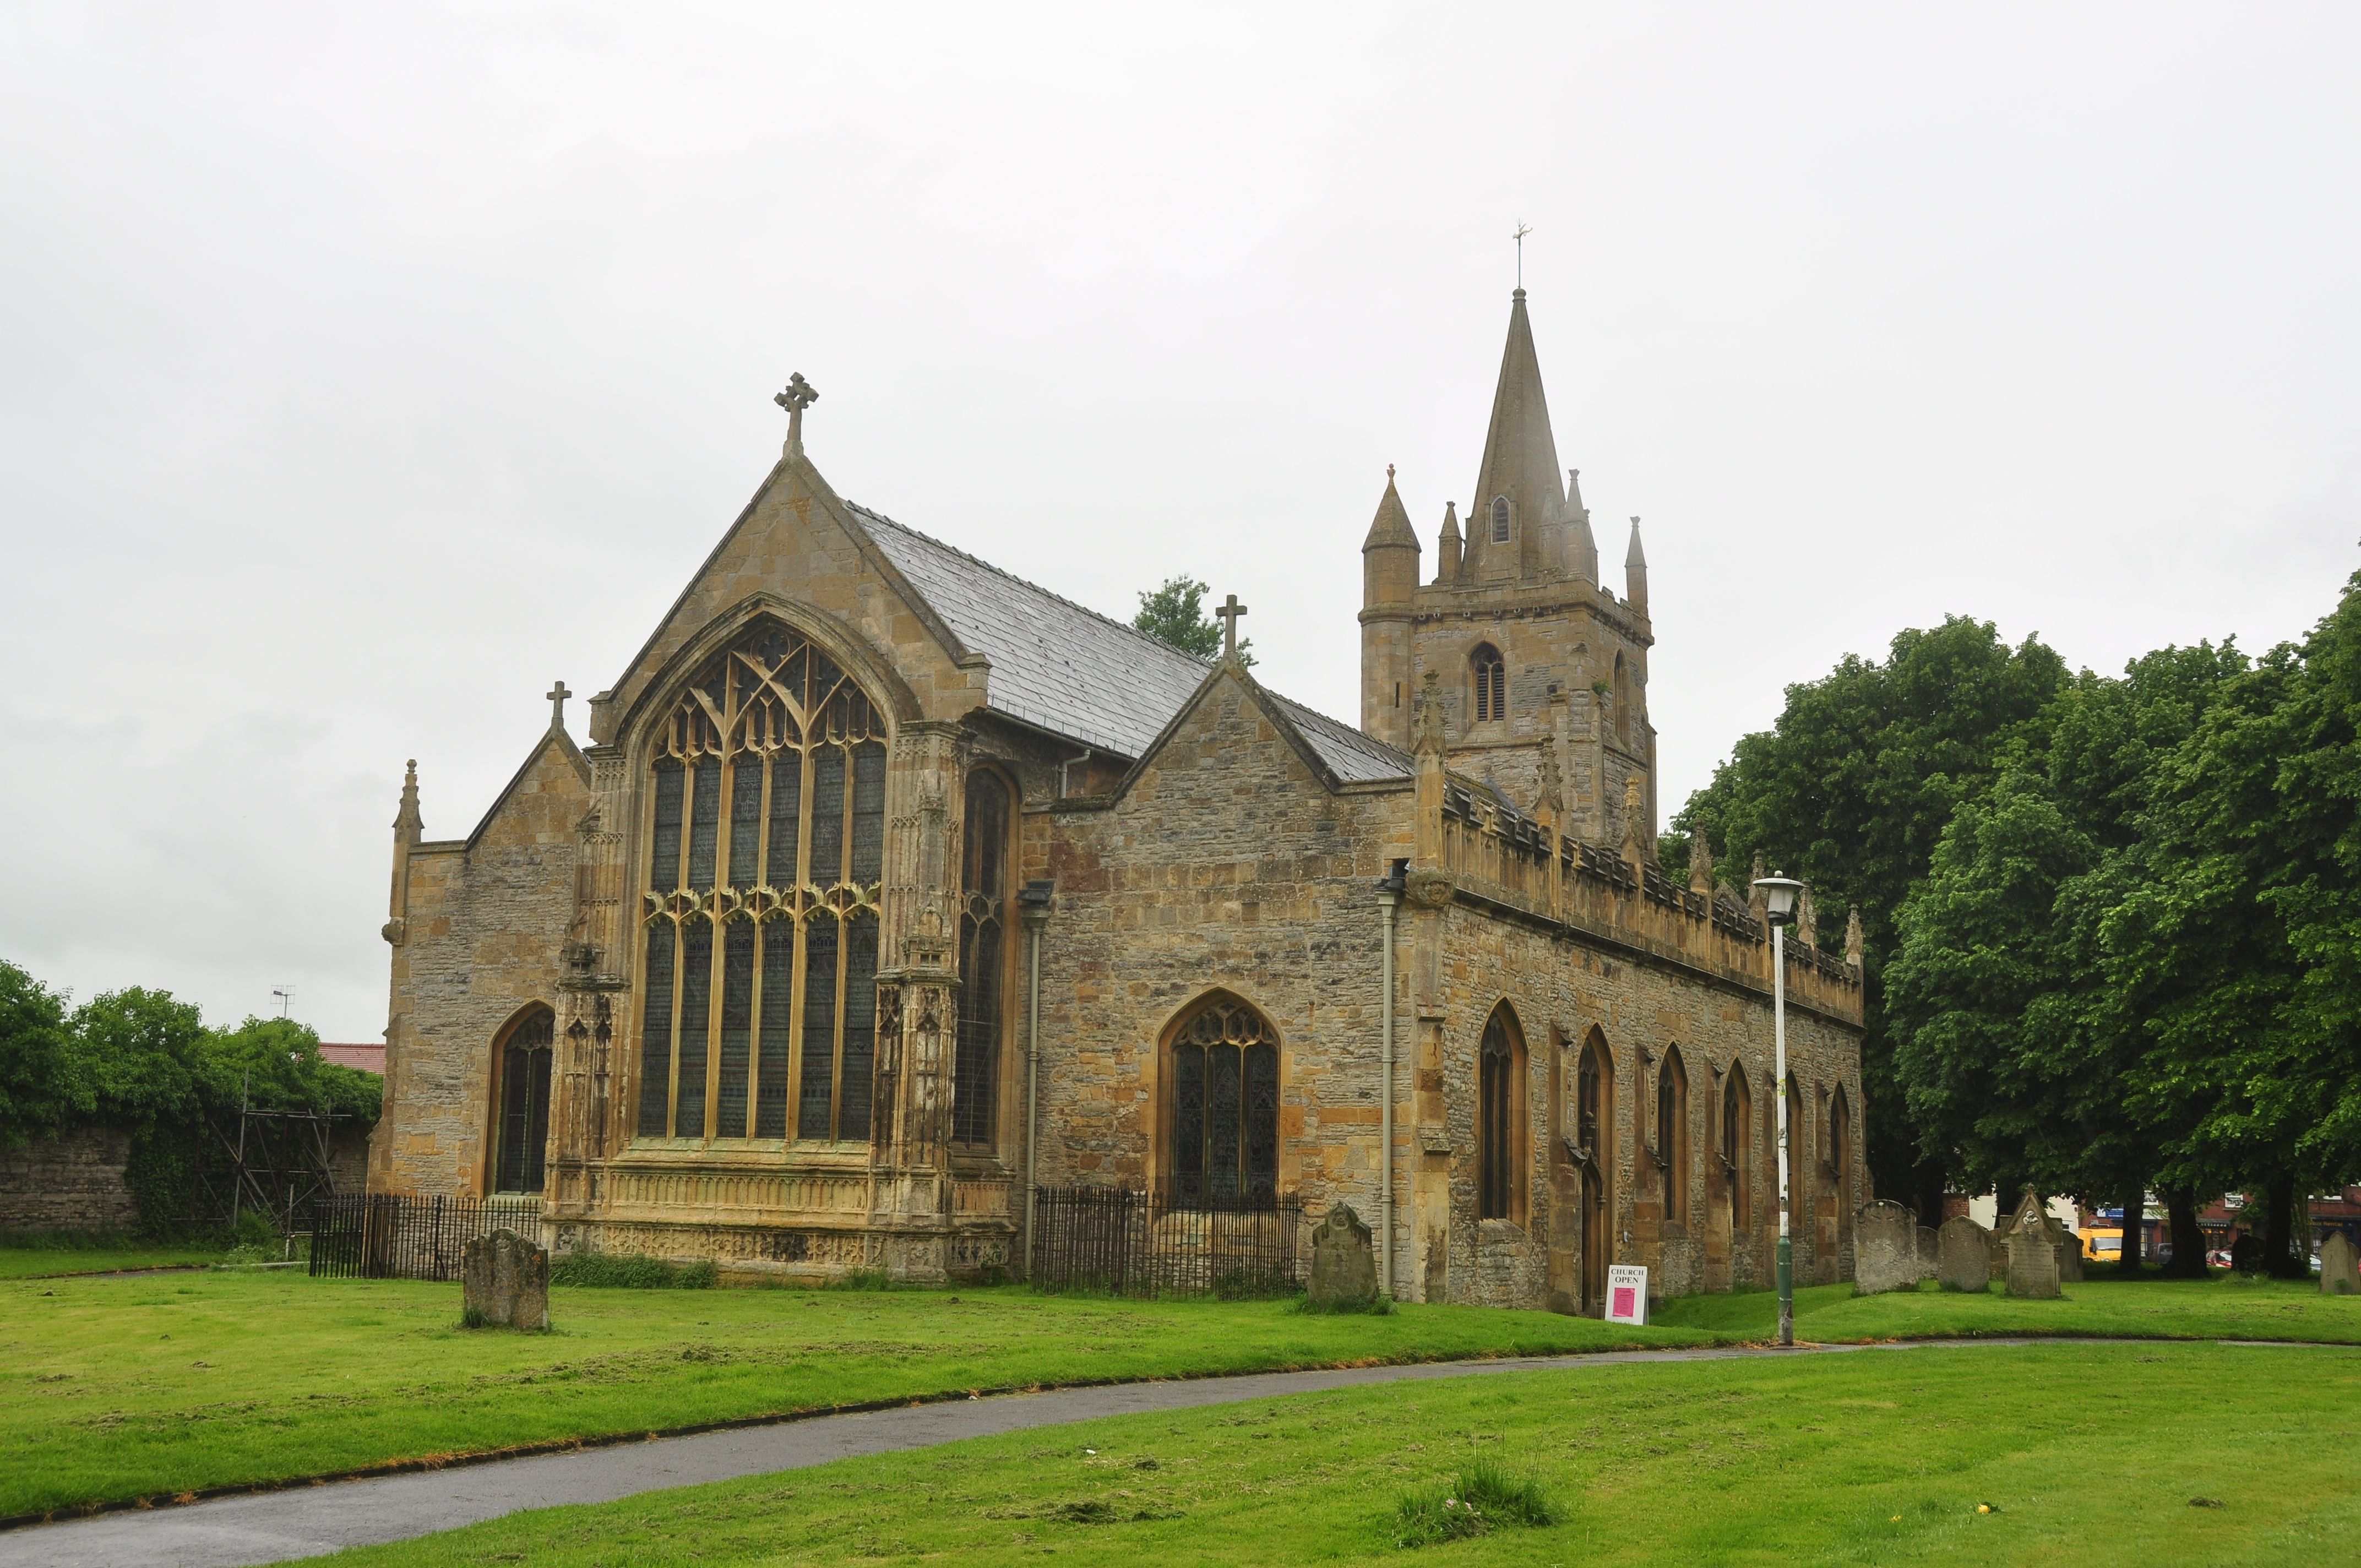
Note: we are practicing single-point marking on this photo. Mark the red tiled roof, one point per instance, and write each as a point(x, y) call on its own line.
point(366, 1059)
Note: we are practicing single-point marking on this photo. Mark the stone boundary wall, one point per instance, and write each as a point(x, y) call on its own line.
point(75, 1182)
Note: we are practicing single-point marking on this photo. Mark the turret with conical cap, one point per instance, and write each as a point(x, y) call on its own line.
point(1388, 583)
point(1581, 548)
point(1446, 545)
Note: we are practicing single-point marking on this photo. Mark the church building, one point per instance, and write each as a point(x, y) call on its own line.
point(890, 888)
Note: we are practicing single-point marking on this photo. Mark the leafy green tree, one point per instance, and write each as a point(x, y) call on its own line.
point(1851, 790)
point(1175, 616)
point(43, 1084)
point(2017, 1058)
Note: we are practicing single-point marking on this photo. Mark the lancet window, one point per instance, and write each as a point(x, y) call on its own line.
point(1500, 519)
point(1496, 1120)
point(982, 958)
point(765, 840)
point(1225, 1064)
point(1491, 684)
point(522, 1136)
point(1737, 1123)
point(1672, 1134)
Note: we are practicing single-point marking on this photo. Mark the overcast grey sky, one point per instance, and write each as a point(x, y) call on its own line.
point(366, 368)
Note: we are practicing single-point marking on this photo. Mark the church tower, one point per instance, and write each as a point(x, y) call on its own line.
point(1531, 652)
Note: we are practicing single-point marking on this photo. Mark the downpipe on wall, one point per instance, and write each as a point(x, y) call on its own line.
point(1035, 897)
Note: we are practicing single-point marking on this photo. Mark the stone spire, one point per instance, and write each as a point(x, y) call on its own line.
point(1581, 549)
point(408, 826)
point(1852, 936)
point(1389, 554)
point(1635, 572)
point(1520, 465)
point(1446, 546)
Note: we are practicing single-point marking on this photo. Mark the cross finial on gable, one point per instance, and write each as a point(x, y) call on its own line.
point(798, 396)
point(1227, 612)
point(558, 696)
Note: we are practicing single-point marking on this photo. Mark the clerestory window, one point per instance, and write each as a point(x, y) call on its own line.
point(766, 817)
point(1225, 1061)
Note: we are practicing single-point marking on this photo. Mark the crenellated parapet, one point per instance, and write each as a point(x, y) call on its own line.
point(1489, 852)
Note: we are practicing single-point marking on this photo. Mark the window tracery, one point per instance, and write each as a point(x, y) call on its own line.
point(523, 1130)
point(766, 819)
point(982, 956)
point(1224, 1060)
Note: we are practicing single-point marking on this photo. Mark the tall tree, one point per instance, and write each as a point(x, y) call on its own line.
point(1852, 791)
point(43, 1083)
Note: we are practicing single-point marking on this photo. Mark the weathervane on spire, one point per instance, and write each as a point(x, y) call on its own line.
point(797, 396)
point(1522, 230)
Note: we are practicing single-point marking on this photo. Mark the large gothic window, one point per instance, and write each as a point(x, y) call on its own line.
point(1498, 1123)
point(521, 1067)
point(765, 838)
point(1491, 684)
point(984, 929)
point(1224, 1106)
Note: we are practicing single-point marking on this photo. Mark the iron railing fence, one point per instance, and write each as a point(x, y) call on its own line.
point(1136, 1244)
point(379, 1236)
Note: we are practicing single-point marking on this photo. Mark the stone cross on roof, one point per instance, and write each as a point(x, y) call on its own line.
point(1227, 613)
point(798, 396)
point(558, 696)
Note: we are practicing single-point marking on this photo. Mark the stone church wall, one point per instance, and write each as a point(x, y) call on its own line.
point(484, 930)
point(1226, 866)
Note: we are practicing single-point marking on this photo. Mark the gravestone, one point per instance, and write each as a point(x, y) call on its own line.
point(507, 1281)
point(1963, 1251)
point(2032, 1263)
point(1344, 1264)
point(2338, 1275)
point(2033, 1212)
point(1885, 1249)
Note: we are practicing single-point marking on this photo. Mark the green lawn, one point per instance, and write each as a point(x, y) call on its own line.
point(2224, 1307)
point(125, 1387)
point(23, 1258)
point(2086, 1454)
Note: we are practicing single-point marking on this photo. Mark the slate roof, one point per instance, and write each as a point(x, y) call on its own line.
point(1074, 672)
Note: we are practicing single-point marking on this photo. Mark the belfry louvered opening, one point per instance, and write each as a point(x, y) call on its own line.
point(765, 832)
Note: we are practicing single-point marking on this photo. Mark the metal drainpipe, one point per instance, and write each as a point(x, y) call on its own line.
point(1388, 897)
point(1035, 897)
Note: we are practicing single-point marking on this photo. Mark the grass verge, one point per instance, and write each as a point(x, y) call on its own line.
point(2080, 1454)
point(32, 1254)
point(115, 1389)
point(2228, 1307)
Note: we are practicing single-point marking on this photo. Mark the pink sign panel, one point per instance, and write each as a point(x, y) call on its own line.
point(1626, 1302)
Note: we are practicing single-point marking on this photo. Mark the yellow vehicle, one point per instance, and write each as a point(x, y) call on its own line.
point(2103, 1246)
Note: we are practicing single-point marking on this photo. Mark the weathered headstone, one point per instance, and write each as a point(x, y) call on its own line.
point(1885, 1249)
point(1344, 1263)
point(507, 1281)
point(1963, 1256)
point(2032, 1263)
point(2033, 1212)
point(2338, 1275)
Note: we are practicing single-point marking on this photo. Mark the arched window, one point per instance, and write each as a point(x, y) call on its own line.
point(1594, 1122)
point(1224, 1106)
point(767, 812)
point(522, 1065)
point(1841, 1154)
point(1736, 1151)
point(1672, 1133)
point(1491, 684)
point(1498, 1126)
point(1500, 519)
point(1798, 1143)
point(982, 956)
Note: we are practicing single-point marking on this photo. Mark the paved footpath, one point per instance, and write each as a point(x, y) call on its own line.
point(307, 1522)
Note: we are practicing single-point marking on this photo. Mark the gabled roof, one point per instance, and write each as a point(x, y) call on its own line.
point(1073, 672)
point(554, 735)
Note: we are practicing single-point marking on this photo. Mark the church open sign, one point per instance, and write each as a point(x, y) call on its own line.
point(1627, 1295)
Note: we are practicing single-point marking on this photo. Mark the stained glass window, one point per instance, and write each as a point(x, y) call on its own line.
point(766, 814)
point(1224, 1107)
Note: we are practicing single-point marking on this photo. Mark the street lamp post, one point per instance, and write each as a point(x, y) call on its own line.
point(1779, 903)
